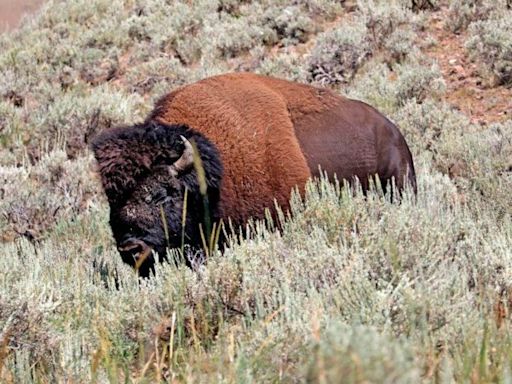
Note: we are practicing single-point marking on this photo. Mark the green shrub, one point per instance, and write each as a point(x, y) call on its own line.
point(480, 160)
point(339, 346)
point(326, 9)
point(256, 24)
point(338, 54)
point(76, 116)
point(287, 66)
point(162, 71)
point(11, 131)
point(463, 12)
point(383, 19)
point(35, 198)
point(290, 25)
point(345, 265)
point(379, 30)
point(389, 89)
point(233, 36)
point(490, 44)
point(424, 124)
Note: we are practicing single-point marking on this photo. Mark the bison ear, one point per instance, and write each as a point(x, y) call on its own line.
point(122, 159)
point(185, 161)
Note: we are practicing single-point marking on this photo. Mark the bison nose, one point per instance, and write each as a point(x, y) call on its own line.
point(137, 248)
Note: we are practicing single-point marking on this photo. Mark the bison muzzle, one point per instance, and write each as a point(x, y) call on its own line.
point(256, 138)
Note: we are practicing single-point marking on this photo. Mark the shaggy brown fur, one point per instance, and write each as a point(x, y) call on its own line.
point(274, 134)
point(258, 138)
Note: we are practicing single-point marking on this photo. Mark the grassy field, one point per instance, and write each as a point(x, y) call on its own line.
point(352, 290)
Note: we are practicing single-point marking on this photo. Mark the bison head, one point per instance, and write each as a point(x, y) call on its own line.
point(147, 170)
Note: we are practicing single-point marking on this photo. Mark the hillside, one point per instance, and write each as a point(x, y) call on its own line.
point(352, 289)
point(11, 12)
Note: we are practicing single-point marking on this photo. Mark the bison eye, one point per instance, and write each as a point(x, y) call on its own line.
point(157, 197)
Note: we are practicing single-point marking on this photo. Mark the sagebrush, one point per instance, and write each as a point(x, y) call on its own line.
point(351, 288)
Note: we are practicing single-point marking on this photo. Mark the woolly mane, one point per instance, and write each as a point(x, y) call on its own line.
point(127, 155)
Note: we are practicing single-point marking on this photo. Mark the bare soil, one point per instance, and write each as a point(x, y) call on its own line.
point(11, 12)
point(467, 90)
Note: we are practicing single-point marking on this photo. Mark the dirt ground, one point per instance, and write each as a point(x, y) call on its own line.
point(466, 89)
point(11, 12)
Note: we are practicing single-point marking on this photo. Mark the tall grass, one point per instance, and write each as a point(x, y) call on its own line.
point(352, 288)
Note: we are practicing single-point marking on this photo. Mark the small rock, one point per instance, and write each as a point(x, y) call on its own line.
point(452, 61)
point(457, 169)
point(459, 69)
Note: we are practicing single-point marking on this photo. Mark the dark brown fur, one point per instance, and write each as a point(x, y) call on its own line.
point(274, 134)
point(271, 135)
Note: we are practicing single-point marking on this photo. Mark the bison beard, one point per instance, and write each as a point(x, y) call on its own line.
point(145, 171)
point(257, 138)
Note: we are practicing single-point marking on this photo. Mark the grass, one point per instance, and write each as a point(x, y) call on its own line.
point(352, 288)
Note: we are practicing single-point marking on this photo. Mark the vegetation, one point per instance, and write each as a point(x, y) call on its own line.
point(352, 288)
point(463, 12)
point(491, 45)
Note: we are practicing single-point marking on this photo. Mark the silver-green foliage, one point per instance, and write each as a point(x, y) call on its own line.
point(388, 90)
point(351, 288)
point(296, 304)
point(490, 43)
point(339, 53)
point(379, 28)
point(464, 12)
point(74, 46)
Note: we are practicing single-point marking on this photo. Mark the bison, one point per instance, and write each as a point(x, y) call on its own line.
point(256, 138)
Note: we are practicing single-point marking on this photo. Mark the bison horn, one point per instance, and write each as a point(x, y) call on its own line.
point(186, 159)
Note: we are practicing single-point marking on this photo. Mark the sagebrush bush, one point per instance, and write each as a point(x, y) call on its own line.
point(77, 115)
point(286, 65)
point(400, 270)
point(399, 45)
point(156, 72)
point(338, 54)
point(235, 37)
point(327, 9)
point(11, 131)
point(464, 12)
point(382, 19)
point(490, 44)
point(480, 160)
point(35, 198)
point(290, 25)
point(256, 24)
point(389, 89)
point(380, 29)
point(351, 287)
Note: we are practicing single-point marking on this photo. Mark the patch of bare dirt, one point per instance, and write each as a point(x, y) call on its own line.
point(466, 89)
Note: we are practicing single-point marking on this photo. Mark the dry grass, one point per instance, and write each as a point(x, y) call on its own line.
point(352, 288)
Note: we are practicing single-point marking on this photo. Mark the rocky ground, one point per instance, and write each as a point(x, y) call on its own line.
point(478, 98)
